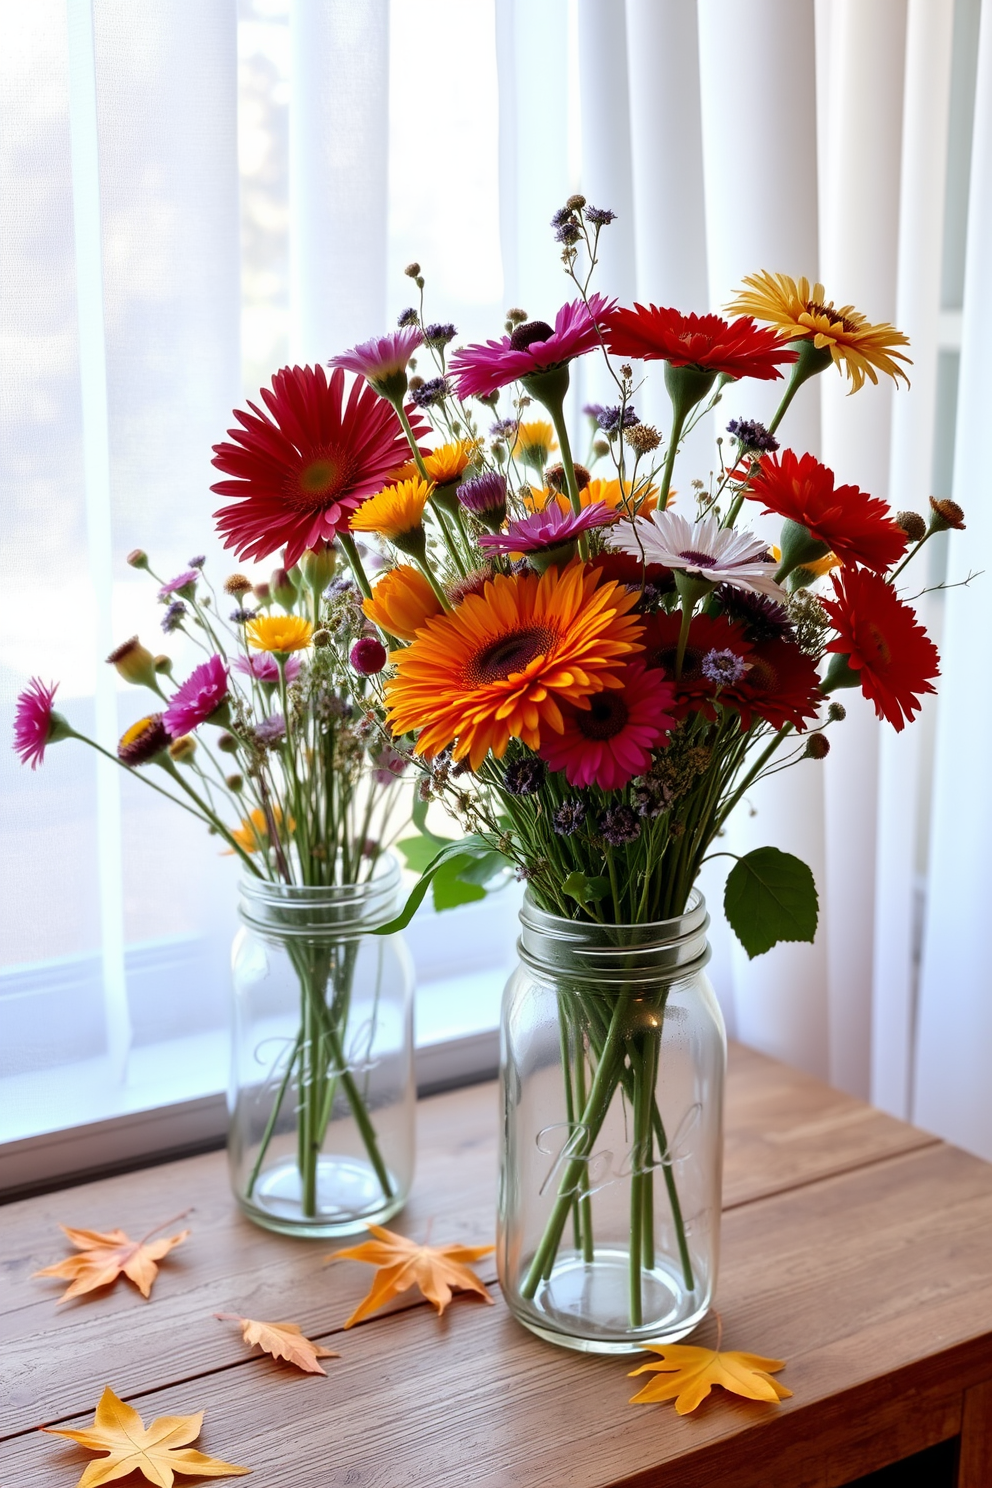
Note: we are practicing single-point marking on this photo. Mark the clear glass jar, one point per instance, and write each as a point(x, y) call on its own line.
point(613, 1063)
point(322, 1096)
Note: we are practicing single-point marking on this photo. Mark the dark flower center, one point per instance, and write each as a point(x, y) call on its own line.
point(882, 649)
point(704, 560)
point(605, 717)
point(510, 653)
point(814, 308)
point(318, 482)
point(525, 335)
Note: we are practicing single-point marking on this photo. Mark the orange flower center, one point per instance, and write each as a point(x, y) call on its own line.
point(606, 716)
point(509, 654)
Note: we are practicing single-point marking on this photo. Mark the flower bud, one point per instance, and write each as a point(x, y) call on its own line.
point(836, 712)
point(137, 558)
point(283, 588)
point(163, 665)
point(236, 585)
point(235, 782)
point(913, 525)
point(412, 270)
point(576, 202)
point(945, 514)
point(318, 566)
point(135, 664)
point(227, 744)
point(262, 593)
point(368, 656)
point(182, 749)
point(817, 747)
point(600, 448)
point(321, 637)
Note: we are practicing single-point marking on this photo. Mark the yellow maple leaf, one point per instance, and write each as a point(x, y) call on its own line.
point(282, 1341)
point(689, 1374)
point(106, 1255)
point(158, 1451)
point(402, 1263)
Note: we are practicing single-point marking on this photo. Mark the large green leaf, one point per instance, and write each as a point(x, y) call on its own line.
point(468, 849)
point(770, 896)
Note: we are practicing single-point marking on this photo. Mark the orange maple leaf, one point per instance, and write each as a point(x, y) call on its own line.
point(282, 1341)
point(104, 1256)
point(158, 1451)
point(690, 1373)
point(402, 1263)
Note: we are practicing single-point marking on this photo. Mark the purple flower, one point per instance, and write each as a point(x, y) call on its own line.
point(569, 817)
point(549, 528)
point(198, 561)
point(271, 730)
point(407, 317)
point(174, 616)
point(439, 333)
point(523, 777)
point(183, 584)
point(600, 216)
point(723, 667)
point(435, 390)
point(504, 429)
point(534, 347)
point(383, 360)
point(388, 764)
point(594, 411)
point(485, 496)
point(199, 697)
point(368, 656)
point(751, 435)
point(611, 420)
point(264, 667)
point(618, 826)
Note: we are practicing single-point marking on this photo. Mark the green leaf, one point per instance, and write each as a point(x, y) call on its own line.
point(419, 812)
point(418, 851)
point(584, 889)
point(472, 846)
point(450, 888)
point(770, 896)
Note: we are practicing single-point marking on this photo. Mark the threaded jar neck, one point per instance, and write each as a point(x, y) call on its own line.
point(318, 911)
point(615, 955)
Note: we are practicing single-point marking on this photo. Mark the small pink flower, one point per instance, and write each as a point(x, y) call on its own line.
point(264, 668)
point(382, 358)
point(549, 528)
point(199, 697)
point(535, 347)
point(183, 584)
point(35, 722)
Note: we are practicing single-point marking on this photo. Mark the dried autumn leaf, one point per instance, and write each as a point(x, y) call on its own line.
point(105, 1256)
point(435, 1269)
point(282, 1341)
point(690, 1374)
point(158, 1451)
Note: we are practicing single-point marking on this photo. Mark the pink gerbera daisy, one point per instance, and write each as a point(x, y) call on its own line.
point(264, 667)
point(36, 723)
point(198, 699)
point(532, 348)
point(548, 528)
point(383, 360)
point(610, 742)
point(183, 585)
point(303, 467)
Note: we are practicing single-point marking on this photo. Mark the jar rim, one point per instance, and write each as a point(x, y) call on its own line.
point(587, 951)
point(318, 911)
point(385, 876)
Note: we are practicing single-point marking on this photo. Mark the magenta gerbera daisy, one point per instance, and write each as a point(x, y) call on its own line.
point(36, 723)
point(182, 585)
point(265, 668)
point(199, 698)
point(610, 742)
point(548, 528)
point(301, 468)
point(383, 360)
point(532, 348)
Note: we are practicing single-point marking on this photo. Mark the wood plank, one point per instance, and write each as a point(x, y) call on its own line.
point(874, 1285)
point(783, 1128)
point(975, 1465)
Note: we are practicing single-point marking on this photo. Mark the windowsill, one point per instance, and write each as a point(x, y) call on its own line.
point(175, 1099)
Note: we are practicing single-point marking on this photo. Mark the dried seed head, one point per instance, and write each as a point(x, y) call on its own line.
point(913, 525)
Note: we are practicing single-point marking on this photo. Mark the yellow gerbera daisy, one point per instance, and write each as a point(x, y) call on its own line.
point(279, 633)
point(253, 833)
point(396, 513)
point(800, 312)
point(500, 665)
point(402, 602)
point(534, 443)
point(450, 461)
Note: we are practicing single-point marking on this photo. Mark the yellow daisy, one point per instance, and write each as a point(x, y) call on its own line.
point(450, 461)
point(279, 633)
point(534, 443)
point(396, 513)
point(253, 833)
point(800, 312)
point(816, 566)
point(402, 602)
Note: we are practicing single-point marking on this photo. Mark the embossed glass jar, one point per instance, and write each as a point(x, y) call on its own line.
point(613, 1063)
point(322, 1097)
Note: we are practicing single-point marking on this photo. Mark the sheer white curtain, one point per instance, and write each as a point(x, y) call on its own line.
point(141, 271)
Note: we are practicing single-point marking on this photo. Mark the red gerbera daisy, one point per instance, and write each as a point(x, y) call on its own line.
point(534, 347)
point(610, 742)
point(709, 343)
point(883, 642)
point(693, 689)
point(301, 469)
point(852, 524)
point(780, 685)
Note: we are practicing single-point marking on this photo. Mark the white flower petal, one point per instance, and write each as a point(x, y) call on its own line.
point(716, 553)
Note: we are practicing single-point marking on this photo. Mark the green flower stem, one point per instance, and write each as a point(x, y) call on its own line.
point(811, 360)
point(566, 1068)
point(351, 553)
point(553, 398)
point(439, 593)
point(401, 414)
point(270, 1125)
point(581, 1096)
point(449, 540)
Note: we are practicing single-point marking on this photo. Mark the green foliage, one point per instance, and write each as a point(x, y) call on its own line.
point(770, 896)
point(583, 889)
point(456, 870)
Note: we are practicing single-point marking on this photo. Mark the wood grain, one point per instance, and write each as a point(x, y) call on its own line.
point(975, 1465)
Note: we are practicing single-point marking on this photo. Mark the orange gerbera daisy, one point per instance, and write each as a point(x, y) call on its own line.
point(643, 500)
point(500, 665)
point(449, 462)
point(402, 602)
point(396, 513)
point(800, 311)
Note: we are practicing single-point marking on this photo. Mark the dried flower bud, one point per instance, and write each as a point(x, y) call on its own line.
point(836, 712)
point(163, 665)
point(237, 584)
point(182, 749)
point(575, 203)
point(817, 747)
point(944, 514)
point(555, 477)
point(262, 593)
point(913, 525)
point(227, 744)
point(137, 558)
point(412, 270)
point(134, 663)
point(642, 438)
point(321, 637)
point(235, 782)
point(415, 384)
point(600, 448)
point(516, 315)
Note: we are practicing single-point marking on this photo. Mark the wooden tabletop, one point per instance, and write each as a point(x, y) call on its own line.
point(854, 1247)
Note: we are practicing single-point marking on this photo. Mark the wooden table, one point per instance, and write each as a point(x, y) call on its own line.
point(855, 1247)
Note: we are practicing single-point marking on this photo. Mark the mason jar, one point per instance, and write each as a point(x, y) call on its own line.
point(613, 1055)
point(322, 1097)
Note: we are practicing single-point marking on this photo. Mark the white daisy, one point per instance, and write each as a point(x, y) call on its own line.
point(705, 548)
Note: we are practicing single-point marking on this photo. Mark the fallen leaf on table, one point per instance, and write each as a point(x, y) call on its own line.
point(689, 1373)
point(282, 1341)
point(104, 1256)
point(435, 1269)
point(157, 1451)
